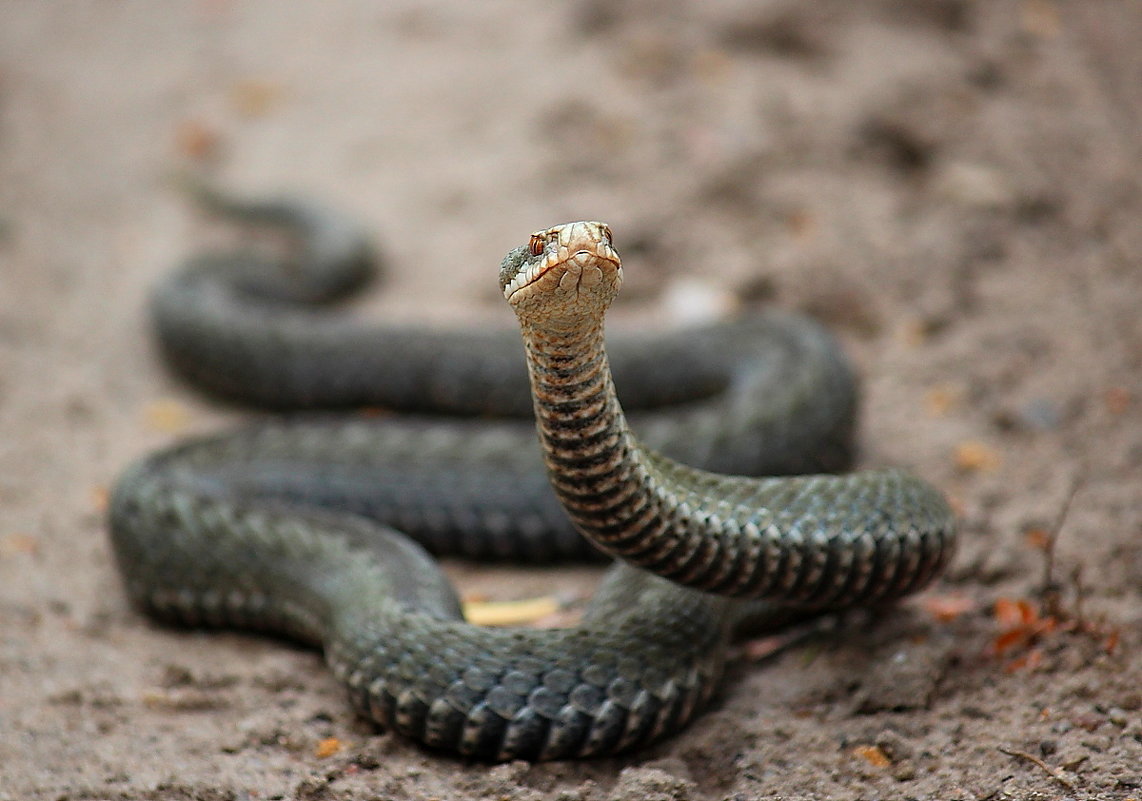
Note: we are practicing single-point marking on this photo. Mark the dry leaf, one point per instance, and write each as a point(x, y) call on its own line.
point(939, 400)
point(946, 608)
point(872, 755)
point(197, 141)
point(1010, 612)
point(510, 613)
point(1038, 538)
point(328, 747)
point(1008, 640)
point(100, 498)
point(19, 543)
point(1110, 643)
point(166, 415)
point(972, 456)
point(255, 98)
point(763, 647)
point(1117, 400)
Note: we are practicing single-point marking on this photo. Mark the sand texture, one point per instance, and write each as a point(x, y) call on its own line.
point(955, 187)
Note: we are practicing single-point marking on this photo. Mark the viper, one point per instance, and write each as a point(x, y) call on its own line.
point(320, 526)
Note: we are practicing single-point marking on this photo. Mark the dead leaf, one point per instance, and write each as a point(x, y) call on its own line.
point(328, 747)
point(973, 456)
point(1110, 643)
point(946, 608)
point(166, 415)
point(939, 400)
point(872, 755)
point(763, 647)
point(1038, 538)
point(255, 98)
point(510, 613)
point(1117, 400)
point(196, 140)
point(1012, 612)
point(100, 498)
point(1008, 640)
point(19, 543)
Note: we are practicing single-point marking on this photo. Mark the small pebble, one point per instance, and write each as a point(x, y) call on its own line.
point(1119, 717)
point(690, 302)
point(893, 745)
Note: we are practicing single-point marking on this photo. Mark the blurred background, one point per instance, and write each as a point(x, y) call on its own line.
point(953, 185)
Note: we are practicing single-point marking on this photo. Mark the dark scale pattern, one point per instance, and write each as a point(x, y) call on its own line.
point(407, 658)
point(816, 540)
point(284, 526)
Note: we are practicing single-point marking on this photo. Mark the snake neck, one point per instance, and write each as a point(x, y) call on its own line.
point(594, 463)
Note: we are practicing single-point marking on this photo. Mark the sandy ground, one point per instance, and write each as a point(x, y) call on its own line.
point(953, 185)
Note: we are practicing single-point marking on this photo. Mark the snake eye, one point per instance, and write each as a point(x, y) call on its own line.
point(607, 233)
point(537, 244)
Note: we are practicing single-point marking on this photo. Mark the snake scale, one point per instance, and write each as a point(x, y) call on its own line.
point(305, 525)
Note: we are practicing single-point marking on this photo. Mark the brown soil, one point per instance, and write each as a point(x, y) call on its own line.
point(953, 185)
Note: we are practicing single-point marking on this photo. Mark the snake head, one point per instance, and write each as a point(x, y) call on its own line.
point(563, 274)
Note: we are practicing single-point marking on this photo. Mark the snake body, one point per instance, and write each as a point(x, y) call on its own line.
point(291, 525)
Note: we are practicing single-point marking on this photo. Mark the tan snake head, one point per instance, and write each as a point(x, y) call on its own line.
point(564, 274)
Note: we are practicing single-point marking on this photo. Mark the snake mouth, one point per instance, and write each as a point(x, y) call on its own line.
point(575, 248)
point(577, 263)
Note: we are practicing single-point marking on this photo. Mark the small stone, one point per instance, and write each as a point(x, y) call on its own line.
point(689, 302)
point(650, 784)
point(1072, 758)
point(1119, 717)
point(894, 745)
point(904, 771)
point(908, 683)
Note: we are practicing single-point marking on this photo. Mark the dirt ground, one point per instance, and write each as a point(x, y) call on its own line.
point(954, 186)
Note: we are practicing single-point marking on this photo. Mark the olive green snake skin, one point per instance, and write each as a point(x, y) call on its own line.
point(294, 525)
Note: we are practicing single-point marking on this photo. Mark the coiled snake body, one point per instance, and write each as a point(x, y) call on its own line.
point(285, 526)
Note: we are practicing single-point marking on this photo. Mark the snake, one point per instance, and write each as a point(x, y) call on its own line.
point(718, 500)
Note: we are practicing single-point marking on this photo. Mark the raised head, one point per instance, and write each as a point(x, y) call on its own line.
point(563, 275)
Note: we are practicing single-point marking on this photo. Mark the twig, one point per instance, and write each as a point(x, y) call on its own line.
point(1054, 773)
point(1051, 590)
